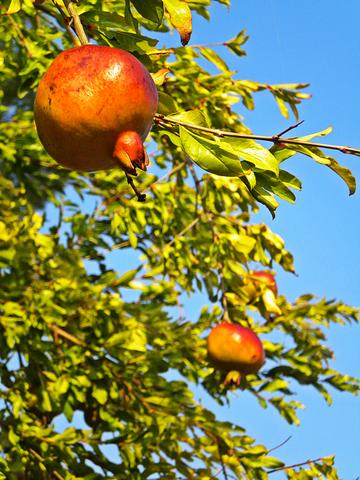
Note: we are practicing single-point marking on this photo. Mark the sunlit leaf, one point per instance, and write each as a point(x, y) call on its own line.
point(214, 58)
point(180, 17)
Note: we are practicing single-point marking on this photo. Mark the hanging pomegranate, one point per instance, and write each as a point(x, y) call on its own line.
point(94, 108)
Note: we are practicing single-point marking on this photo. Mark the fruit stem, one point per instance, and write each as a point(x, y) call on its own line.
point(140, 196)
point(78, 27)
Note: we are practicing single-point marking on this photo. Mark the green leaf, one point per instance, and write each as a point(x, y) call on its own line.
point(317, 155)
point(127, 277)
point(208, 154)
point(274, 385)
point(252, 152)
point(282, 105)
point(131, 42)
point(14, 6)
point(276, 186)
point(192, 117)
point(106, 21)
point(134, 339)
point(234, 44)
point(13, 437)
point(271, 462)
point(167, 104)
point(241, 243)
point(289, 180)
point(153, 11)
point(100, 394)
point(214, 58)
point(284, 152)
point(180, 17)
point(264, 197)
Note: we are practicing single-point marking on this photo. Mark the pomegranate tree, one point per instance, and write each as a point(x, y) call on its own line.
point(94, 108)
point(236, 350)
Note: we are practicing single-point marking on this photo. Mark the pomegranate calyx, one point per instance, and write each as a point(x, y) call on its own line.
point(130, 153)
point(233, 378)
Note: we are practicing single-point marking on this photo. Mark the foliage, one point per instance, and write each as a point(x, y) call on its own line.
point(97, 362)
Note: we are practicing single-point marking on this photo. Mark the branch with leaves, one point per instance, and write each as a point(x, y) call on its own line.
point(239, 154)
point(277, 139)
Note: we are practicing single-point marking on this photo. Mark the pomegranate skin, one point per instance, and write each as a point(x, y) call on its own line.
point(89, 96)
point(267, 278)
point(232, 347)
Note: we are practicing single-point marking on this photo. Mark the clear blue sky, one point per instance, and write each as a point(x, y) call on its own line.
point(317, 43)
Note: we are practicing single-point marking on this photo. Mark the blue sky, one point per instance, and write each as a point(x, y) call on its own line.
point(317, 43)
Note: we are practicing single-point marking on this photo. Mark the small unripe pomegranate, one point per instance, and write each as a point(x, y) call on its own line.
point(264, 283)
point(94, 108)
point(265, 278)
point(236, 350)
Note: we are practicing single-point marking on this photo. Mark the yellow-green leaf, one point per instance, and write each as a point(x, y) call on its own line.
point(14, 6)
point(214, 58)
point(180, 17)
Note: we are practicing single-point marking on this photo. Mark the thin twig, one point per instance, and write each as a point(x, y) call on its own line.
point(79, 29)
point(295, 465)
point(280, 444)
point(39, 458)
point(223, 467)
point(197, 183)
point(168, 51)
point(140, 196)
point(289, 128)
point(226, 316)
point(163, 120)
point(22, 38)
point(216, 474)
point(68, 21)
point(182, 233)
point(62, 333)
point(169, 174)
point(109, 201)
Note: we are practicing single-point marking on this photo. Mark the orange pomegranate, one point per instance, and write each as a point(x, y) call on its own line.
point(94, 108)
point(236, 350)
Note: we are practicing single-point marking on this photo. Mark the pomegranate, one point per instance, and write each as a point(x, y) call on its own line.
point(267, 284)
point(267, 279)
point(236, 350)
point(94, 108)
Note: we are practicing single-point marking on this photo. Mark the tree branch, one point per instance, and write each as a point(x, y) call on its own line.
point(40, 459)
point(287, 467)
point(59, 332)
point(79, 29)
point(163, 120)
point(168, 51)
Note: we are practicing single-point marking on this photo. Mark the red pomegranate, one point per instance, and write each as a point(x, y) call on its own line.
point(236, 350)
point(94, 108)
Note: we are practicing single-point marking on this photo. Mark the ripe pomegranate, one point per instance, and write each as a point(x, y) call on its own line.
point(94, 108)
point(236, 350)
